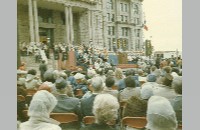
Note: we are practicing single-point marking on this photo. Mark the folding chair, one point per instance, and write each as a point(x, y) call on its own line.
point(20, 98)
point(64, 117)
point(122, 106)
point(67, 120)
point(114, 87)
point(134, 122)
point(30, 93)
point(88, 120)
point(25, 113)
point(21, 105)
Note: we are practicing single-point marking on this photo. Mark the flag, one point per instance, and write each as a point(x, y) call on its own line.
point(145, 27)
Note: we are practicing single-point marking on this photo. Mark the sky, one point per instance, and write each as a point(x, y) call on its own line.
point(164, 22)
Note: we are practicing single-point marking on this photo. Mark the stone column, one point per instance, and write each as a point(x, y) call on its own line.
point(89, 25)
point(36, 21)
point(67, 24)
point(131, 19)
point(92, 26)
point(31, 27)
point(71, 25)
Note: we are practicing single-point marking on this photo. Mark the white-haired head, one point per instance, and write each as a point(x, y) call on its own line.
point(105, 108)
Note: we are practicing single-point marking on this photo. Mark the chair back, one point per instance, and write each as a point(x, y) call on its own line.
point(88, 120)
point(64, 118)
point(134, 122)
point(31, 91)
point(122, 105)
point(20, 98)
point(25, 113)
point(114, 87)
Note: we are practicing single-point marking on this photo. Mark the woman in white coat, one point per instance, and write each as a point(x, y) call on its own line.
point(39, 110)
point(160, 114)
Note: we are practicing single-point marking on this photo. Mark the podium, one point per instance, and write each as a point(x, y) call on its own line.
point(122, 58)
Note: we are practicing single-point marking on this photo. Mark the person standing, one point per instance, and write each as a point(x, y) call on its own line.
point(43, 69)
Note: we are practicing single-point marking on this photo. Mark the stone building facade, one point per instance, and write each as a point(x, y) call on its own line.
point(100, 23)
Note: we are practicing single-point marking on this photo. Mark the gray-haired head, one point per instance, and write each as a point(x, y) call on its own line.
point(177, 85)
point(97, 84)
point(151, 78)
point(49, 76)
point(146, 91)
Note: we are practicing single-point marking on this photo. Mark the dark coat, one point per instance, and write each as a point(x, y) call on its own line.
point(136, 107)
point(87, 104)
point(67, 105)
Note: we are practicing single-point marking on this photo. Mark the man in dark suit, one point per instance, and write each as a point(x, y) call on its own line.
point(65, 103)
point(87, 103)
point(43, 69)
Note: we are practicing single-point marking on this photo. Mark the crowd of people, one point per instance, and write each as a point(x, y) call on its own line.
point(154, 92)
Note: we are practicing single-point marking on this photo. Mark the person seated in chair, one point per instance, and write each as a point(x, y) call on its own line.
point(65, 103)
point(39, 110)
point(105, 110)
point(87, 103)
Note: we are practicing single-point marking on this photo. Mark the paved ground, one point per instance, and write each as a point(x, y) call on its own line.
point(30, 63)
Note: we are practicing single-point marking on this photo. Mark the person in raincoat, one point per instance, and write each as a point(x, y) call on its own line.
point(39, 110)
point(160, 114)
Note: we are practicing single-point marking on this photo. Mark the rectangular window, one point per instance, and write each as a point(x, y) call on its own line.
point(113, 18)
point(135, 8)
point(122, 9)
point(109, 31)
point(126, 31)
point(113, 30)
point(122, 18)
point(138, 21)
point(111, 4)
point(108, 14)
point(113, 40)
point(126, 7)
point(138, 32)
point(126, 18)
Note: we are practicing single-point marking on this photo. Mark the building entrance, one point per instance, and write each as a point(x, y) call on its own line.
point(46, 36)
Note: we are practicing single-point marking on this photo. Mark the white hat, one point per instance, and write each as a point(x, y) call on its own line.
point(79, 76)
